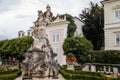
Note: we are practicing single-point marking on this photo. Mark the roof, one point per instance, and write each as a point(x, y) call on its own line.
point(21, 31)
point(78, 19)
point(107, 1)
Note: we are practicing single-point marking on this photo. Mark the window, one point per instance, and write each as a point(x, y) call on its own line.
point(56, 37)
point(117, 15)
point(117, 38)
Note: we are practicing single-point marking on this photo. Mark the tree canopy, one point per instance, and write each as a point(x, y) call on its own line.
point(93, 19)
point(71, 26)
point(15, 47)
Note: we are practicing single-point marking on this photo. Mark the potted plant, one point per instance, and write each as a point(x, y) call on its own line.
point(70, 58)
point(70, 61)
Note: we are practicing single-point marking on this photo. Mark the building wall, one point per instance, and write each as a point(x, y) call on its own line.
point(109, 8)
point(112, 26)
point(79, 25)
point(60, 29)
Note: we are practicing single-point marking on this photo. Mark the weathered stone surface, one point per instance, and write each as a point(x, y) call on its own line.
point(40, 59)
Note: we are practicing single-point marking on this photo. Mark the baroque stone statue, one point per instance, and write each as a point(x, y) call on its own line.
point(40, 58)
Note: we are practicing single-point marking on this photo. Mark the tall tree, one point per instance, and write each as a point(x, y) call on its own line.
point(71, 26)
point(93, 19)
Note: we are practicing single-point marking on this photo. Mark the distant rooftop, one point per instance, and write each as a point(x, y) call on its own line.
point(107, 0)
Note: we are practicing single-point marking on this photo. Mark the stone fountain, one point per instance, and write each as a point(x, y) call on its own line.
point(40, 58)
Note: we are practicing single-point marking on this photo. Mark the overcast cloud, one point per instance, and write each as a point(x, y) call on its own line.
point(16, 15)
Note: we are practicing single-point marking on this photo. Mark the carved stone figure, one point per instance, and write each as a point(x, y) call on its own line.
point(40, 59)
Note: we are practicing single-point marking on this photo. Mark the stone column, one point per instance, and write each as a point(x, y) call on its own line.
point(93, 68)
point(115, 70)
point(0, 62)
point(109, 69)
point(104, 68)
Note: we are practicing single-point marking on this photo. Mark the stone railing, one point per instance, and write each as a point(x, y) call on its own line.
point(98, 67)
point(9, 62)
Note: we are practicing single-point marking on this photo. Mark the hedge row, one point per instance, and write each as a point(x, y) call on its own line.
point(85, 73)
point(72, 76)
point(7, 71)
point(11, 76)
point(105, 56)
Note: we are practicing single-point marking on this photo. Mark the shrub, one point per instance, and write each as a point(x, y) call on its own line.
point(85, 73)
point(64, 66)
point(106, 56)
point(79, 46)
point(15, 47)
point(7, 71)
point(70, 55)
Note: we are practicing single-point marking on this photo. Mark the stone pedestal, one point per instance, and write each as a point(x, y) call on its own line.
point(93, 68)
point(70, 67)
point(0, 62)
point(40, 58)
point(115, 70)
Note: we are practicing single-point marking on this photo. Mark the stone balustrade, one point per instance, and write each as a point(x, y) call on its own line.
point(99, 67)
point(9, 62)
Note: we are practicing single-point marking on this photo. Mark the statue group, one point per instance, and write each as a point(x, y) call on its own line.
point(40, 58)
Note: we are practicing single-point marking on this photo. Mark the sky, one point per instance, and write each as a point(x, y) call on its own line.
point(16, 15)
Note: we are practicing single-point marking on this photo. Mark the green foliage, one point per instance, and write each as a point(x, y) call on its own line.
point(85, 73)
point(93, 28)
point(70, 55)
point(15, 47)
point(9, 75)
point(107, 56)
point(76, 45)
point(71, 26)
point(7, 71)
point(72, 75)
point(79, 46)
point(64, 66)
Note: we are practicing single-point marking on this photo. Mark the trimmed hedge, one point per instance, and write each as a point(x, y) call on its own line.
point(105, 56)
point(9, 75)
point(8, 71)
point(67, 74)
point(85, 73)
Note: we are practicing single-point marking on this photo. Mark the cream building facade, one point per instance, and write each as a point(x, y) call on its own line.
point(79, 25)
point(112, 24)
point(57, 32)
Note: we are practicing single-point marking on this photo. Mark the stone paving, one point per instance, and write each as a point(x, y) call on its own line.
point(60, 77)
